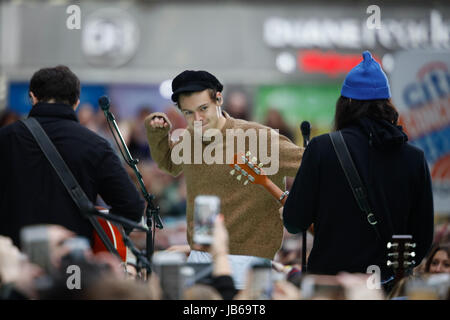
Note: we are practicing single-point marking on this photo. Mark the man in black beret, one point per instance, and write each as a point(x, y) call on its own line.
point(250, 213)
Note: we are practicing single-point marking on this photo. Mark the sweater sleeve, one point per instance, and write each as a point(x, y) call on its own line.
point(161, 146)
point(422, 219)
point(290, 157)
point(301, 204)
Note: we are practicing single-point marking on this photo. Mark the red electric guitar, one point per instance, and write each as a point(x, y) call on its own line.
point(113, 234)
point(249, 170)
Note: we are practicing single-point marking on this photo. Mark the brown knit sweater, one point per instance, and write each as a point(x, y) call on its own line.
point(250, 212)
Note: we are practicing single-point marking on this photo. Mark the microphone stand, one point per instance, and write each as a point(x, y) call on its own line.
point(151, 211)
point(118, 219)
point(305, 128)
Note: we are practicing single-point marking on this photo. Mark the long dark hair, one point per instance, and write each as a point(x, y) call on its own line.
point(348, 111)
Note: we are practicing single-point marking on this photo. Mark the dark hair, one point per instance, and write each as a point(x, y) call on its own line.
point(212, 94)
point(348, 111)
point(438, 247)
point(58, 83)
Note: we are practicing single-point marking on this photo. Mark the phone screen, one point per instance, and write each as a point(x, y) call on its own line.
point(168, 267)
point(35, 244)
point(206, 209)
point(260, 283)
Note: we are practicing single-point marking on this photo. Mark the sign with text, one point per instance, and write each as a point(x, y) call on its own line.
point(421, 91)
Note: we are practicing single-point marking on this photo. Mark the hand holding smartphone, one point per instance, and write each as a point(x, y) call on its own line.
point(206, 210)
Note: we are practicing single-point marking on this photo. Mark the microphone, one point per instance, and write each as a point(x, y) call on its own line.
point(103, 102)
point(305, 128)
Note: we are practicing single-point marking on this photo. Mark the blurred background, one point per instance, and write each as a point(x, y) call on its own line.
point(281, 62)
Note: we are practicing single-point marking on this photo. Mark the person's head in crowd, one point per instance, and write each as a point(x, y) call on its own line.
point(86, 116)
point(143, 112)
point(46, 245)
point(438, 261)
point(17, 272)
point(365, 93)
point(55, 85)
point(198, 94)
point(122, 289)
point(238, 106)
point(138, 144)
point(275, 120)
point(7, 117)
point(97, 281)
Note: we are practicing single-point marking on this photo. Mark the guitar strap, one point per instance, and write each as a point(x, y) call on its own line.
point(353, 179)
point(70, 183)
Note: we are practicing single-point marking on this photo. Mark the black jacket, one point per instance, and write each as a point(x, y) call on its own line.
point(399, 189)
point(32, 193)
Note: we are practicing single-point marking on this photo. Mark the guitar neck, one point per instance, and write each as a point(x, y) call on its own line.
point(274, 190)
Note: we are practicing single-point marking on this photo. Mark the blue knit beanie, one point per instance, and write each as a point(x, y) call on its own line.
point(366, 81)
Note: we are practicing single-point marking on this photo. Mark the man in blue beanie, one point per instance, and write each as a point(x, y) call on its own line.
point(394, 174)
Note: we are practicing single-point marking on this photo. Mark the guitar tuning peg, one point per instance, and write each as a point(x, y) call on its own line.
point(239, 177)
point(411, 245)
point(390, 263)
point(245, 182)
point(248, 154)
point(394, 254)
point(407, 264)
point(254, 160)
point(391, 245)
point(232, 172)
point(260, 165)
point(407, 254)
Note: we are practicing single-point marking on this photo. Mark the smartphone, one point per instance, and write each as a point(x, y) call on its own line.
point(260, 282)
point(206, 209)
point(35, 244)
point(169, 268)
point(322, 287)
point(78, 248)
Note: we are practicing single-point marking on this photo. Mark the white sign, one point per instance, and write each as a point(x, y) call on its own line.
point(354, 33)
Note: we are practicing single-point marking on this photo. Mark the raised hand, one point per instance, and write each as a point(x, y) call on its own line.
point(158, 122)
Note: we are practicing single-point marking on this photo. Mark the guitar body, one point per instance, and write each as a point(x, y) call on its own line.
point(113, 234)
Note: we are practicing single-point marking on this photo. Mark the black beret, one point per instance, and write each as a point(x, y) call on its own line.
point(194, 81)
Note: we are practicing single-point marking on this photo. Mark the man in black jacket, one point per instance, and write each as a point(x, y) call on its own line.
point(395, 174)
point(31, 191)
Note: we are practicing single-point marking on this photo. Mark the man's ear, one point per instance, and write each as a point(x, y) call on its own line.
point(219, 99)
point(33, 98)
point(75, 106)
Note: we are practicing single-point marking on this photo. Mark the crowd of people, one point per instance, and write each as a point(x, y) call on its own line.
point(104, 277)
point(256, 252)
